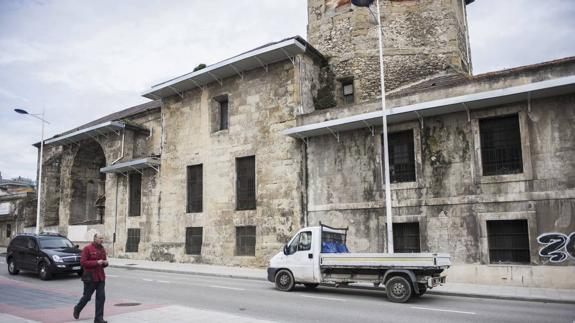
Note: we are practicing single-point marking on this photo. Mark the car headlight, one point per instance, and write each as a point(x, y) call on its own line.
point(57, 258)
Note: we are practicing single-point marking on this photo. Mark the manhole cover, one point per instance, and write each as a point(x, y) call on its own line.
point(131, 264)
point(127, 304)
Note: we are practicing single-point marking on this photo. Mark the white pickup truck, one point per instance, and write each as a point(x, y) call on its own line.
point(319, 255)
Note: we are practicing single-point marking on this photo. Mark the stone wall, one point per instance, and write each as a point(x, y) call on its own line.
point(422, 38)
point(450, 199)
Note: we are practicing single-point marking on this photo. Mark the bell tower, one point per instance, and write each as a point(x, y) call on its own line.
point(422, 39)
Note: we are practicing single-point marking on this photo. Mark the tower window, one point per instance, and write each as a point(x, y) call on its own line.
point(347, 91)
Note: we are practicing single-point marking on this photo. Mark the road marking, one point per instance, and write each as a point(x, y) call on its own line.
point(113, 276)
point(326, 298)
point(224, 287)
point(440, 310)
point(147, 280)
point(163, 281)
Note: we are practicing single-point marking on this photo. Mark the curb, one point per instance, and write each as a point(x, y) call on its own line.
point(430, 292)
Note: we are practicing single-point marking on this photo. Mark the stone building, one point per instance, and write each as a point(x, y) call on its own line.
point(228, 161)
point(17, 207)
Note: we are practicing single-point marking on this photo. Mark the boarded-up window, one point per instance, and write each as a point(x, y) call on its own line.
point(501, 146)
point(246, 183)
point(508, 241)
point(135, 194)
point(133, 240)
point(194, 237)
point(246, 241)
point(401, 157)
point(406, 237)
point(195, 189)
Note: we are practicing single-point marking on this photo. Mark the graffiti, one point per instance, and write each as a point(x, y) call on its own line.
point(558, 246)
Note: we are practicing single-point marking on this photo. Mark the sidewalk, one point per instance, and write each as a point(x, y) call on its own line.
point(452, 289)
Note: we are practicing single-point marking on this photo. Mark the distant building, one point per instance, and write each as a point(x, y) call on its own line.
point(17, 207)
point(230, 160)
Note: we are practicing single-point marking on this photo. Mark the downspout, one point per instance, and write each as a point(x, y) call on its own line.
point(116, 200)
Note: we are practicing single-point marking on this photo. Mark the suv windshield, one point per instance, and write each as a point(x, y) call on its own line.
point(55, 243)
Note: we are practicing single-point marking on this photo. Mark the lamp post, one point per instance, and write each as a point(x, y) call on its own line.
point(389, 220)
point(39, 184)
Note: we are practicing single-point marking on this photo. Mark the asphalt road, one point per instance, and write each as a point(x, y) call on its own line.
point(259, 300)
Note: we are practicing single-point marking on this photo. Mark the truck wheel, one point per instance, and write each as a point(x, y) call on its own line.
point(398, 289)
point(284, 280)
point(12, 269)
point(44, 272)
point(311, 286)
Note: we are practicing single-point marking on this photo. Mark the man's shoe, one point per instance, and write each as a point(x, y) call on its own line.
point(100, 321)
point(76, 313)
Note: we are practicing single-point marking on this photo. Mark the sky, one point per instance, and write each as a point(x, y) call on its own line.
point(80, 60)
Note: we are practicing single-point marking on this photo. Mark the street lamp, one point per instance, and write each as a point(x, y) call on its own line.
point(389, 220)
point(39, 184)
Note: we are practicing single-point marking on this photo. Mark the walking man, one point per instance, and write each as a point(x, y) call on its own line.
point(93, 260)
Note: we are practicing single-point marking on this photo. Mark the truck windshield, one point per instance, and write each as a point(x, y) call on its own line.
point(55, 243)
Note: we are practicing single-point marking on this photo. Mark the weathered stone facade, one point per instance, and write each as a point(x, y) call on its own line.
point(335, 176)
point(422, 39)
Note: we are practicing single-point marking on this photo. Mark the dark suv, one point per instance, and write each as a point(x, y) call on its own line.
point(45, 254)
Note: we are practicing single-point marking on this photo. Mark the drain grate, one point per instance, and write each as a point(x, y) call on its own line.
point(127, 304)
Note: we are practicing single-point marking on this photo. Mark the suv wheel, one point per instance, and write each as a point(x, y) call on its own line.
point(45, 273)
point(12, 267)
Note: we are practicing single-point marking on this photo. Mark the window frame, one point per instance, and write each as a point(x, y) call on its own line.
point(513, 137)
point(192, 198)
point(191, 248)
point(132, 205)
point(392, 157)
point(491, 238)
point(240, 190)
point(404, 225)
point(345, 99)
point(130, 238)
point(477, 167)
point(415, 126)
point(241, 251)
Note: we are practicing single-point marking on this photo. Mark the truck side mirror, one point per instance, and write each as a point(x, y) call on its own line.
point(286, 251)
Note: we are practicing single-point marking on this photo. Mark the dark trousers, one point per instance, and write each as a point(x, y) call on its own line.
point(89, 288)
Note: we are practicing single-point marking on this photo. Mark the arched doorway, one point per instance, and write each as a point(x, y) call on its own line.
point(88, 185)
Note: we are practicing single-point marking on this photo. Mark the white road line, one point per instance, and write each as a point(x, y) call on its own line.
point(113, 276)
point(440, 310)
point(326, 298)
point(147, 280)
point(163, 281)
point(224, 287)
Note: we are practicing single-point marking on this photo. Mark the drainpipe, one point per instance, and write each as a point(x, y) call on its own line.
point(115, 219)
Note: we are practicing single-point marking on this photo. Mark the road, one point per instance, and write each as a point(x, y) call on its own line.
point(258, 300)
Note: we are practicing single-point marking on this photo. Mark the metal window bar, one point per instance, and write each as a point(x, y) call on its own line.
point(133, 240)
point(508, 241)
point(135, 181)
point(401, 157)
point(406, 237)
point(246, 241)
point(194, 238)
point(246, 183)
point(501, 146)
point(195, 189)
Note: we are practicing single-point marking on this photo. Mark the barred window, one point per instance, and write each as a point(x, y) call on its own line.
point(401, 157)
point(501, 146)
point(246, 183)
point(195, 189)
point(135, 181)
point(223, 113)
point(508, 241)
point(406, 237)
point(246, 241)
point(194, 237)
point(347, 91)
point(133, 240)
point(8, 230)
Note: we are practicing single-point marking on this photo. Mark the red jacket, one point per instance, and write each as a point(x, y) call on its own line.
point(89, 261)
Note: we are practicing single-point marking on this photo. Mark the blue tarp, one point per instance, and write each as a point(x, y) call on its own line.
point(333, 247)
